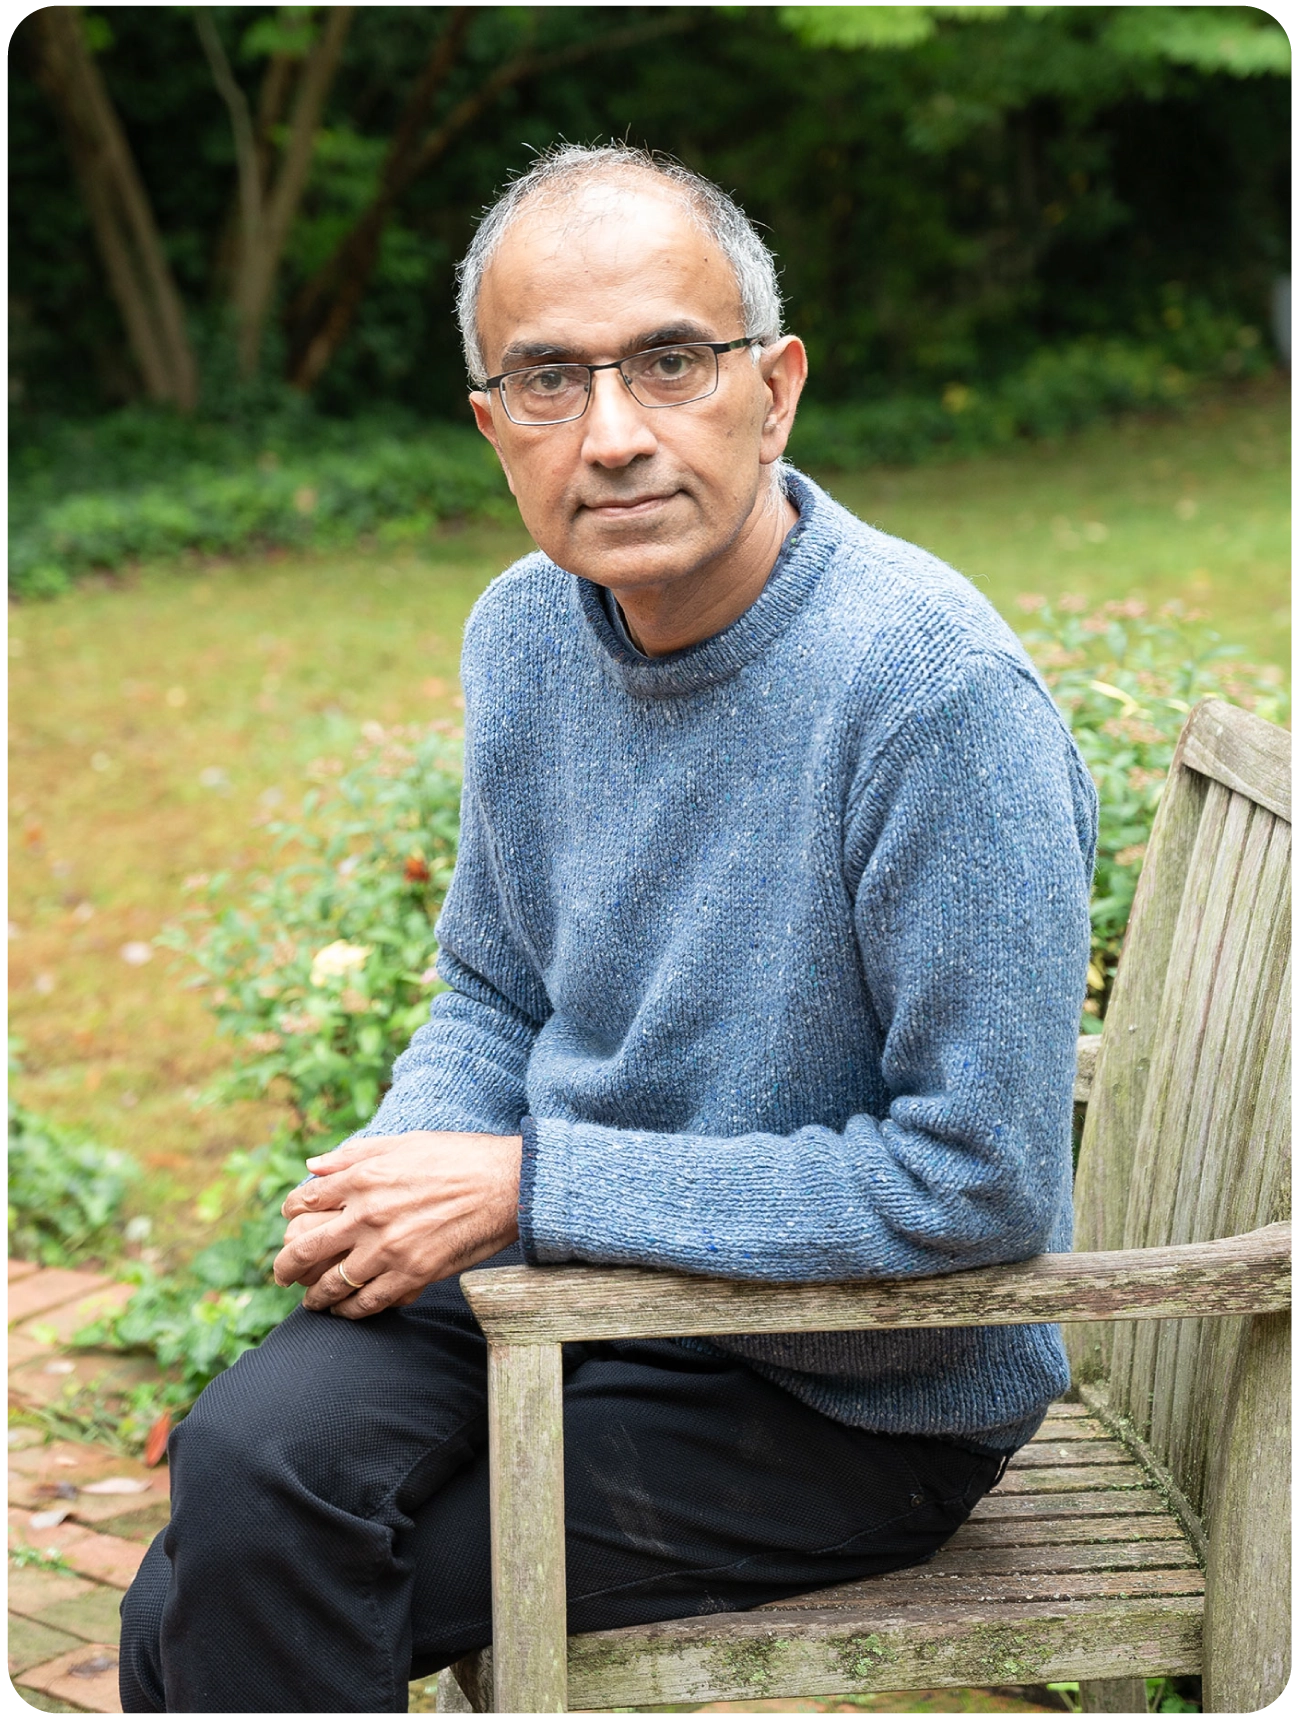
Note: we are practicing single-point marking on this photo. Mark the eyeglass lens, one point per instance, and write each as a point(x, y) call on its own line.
point(665, 377)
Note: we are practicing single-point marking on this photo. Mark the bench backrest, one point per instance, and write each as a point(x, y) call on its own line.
point(1187, 1129)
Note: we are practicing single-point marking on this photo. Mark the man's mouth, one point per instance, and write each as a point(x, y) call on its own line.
point(627, 507)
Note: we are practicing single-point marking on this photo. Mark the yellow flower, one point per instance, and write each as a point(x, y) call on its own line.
point(335, 961)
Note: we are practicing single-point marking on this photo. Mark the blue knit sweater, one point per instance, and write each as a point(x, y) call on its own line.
point(773, 948)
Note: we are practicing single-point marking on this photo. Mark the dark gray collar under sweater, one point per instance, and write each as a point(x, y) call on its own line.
point(776, 946)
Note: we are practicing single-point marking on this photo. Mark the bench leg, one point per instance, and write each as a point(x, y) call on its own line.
point(526, 1456)
point(451, 1701)
point(1129, 1697)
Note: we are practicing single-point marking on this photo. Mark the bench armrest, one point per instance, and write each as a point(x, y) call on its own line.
point(1245, 1275)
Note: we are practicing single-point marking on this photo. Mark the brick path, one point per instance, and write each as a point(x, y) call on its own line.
point(63, 1623)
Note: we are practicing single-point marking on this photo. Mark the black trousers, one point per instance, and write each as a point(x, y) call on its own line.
point(329, 1532)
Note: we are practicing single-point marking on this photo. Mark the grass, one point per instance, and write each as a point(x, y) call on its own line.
point(158, 719)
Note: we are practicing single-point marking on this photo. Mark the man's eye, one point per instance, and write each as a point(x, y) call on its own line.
point(671, 366)
point(546, 382)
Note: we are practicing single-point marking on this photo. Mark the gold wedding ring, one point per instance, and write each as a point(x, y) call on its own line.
point(343, 1275)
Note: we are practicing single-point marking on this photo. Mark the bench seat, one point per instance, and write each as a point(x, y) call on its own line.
point(1072, 1568)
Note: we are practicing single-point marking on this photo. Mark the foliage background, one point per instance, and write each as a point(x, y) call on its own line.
point(948, 188)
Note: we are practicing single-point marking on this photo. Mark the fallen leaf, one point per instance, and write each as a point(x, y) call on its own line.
point(49, 1517)
point(92, 1666)
point(155, 1446)
point(118, 1486)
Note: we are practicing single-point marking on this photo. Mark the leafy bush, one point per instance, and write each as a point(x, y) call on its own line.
point(1059, 390)
point(322, 973)
point(324, 970)
point(66, 1193)
point(1125, 681)
point(216, 493)
point(198, 1321)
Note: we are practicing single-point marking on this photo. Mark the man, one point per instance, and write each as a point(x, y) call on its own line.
point(765, 952)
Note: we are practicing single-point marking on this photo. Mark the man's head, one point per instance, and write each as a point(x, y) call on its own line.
point(590, 257)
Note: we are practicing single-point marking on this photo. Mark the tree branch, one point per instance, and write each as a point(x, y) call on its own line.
point(241, 126)
point(354, 260)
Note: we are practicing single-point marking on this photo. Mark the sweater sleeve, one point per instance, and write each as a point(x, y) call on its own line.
point(465, 1069)
point(968, 854)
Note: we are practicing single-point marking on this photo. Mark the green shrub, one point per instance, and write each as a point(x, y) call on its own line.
point(66, 1193)
point(1125, 681)
point(197, 1321)
point(323, 970)
point(229, 497)
point(1060, 389)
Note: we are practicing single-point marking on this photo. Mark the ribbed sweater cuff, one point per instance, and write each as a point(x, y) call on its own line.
point(527, 1182)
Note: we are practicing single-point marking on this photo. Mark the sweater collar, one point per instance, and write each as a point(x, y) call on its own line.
point(807, 549)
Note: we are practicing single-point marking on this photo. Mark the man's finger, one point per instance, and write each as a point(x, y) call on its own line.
point(339, 1159)
point(322, 1195)
point(310, 1248)
point(380, 1294)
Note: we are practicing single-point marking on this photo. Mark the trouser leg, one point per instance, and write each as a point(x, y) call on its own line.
point(280, 1583)
point(693, 1486)
point(330, 1530)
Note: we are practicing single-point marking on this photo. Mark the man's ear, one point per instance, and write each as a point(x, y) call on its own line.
point(784, 369)
point(481, 405)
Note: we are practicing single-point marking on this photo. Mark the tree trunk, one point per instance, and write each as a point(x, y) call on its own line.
point(139, 276)
point(269, 199)
point(258, 276)
point(324, 309)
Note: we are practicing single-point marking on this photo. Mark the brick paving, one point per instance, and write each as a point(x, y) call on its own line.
point(63, 1618)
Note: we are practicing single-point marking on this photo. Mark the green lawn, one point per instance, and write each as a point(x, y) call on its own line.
point(157, 721)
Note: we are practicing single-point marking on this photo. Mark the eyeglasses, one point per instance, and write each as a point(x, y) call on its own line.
point(659, 377)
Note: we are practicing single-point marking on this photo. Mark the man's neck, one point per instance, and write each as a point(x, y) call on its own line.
point(678, 613)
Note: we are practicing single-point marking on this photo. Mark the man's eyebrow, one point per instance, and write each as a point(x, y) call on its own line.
point(666, 335)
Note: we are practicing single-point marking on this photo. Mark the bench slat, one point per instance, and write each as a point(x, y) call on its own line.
point(1078, 1504)
point(760, 1656)
point(1025, 1534)
point(972, 1592)
point(1062, 1479)
point(1039, 1453)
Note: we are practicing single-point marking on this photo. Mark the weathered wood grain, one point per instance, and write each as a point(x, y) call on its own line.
point(1171, 1496)
point(1227, 1146)
point(1115, 1104)
point(973, 1568)
point(1023, 1534)
point(974, 1591)
point(1175, 1048)
point(1056, 1428)
point(766, 1655)
point(1085, 1066)
point(525, 1456)
point(1248, 1614)
point(536, 1306)
point(1098, 1452)
point(1113, 1697)
point(1064, 1479)
point(450, 1700)
point(1171, 1550)
point(1242, 751)
point(1081, 1503)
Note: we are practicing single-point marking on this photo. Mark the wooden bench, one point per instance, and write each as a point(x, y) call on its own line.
point(1145, 1530)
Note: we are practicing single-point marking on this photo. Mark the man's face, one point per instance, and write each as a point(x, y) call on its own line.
point(629, 495)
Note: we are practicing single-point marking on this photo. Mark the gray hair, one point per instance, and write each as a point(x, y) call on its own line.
point(561, 169)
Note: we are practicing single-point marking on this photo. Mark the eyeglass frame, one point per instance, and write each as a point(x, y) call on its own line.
point(717, 348)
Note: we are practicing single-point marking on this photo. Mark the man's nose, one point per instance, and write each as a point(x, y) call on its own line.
point(616, 428)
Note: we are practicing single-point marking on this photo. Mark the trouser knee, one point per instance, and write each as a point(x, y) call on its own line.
point(140, 1679)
